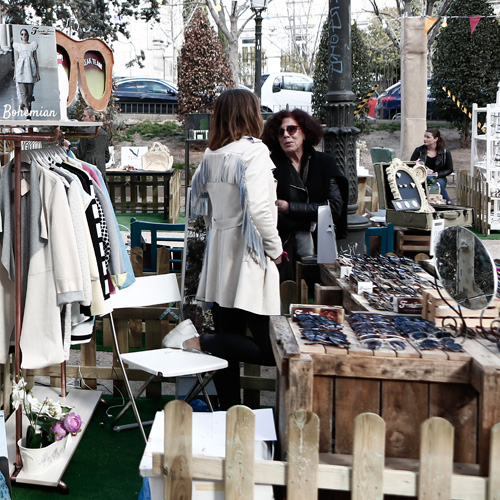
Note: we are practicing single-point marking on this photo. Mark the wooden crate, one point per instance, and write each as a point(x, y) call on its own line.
point(403, 387)
point(435, 308)
point(140, 191)
point(412, 243)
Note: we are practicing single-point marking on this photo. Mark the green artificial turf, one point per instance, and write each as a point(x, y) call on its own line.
point(106, 463)
point(495, 235)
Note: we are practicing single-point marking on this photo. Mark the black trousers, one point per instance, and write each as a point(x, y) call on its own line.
point(231, 342)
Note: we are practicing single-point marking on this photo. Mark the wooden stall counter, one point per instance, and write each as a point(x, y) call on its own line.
point(403, 387)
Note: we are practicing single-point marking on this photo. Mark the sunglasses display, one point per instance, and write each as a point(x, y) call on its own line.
point(391, 276)
point(88, 64)
point(291, 129)
point(323, 330)
point(375, 331)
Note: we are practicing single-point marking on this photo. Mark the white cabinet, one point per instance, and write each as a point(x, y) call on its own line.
point(485, 159)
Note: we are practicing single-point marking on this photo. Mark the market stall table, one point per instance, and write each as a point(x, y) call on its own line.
point(404, 387)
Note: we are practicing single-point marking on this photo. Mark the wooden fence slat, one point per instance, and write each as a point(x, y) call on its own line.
point(303, 474)
point(368, 457)
point(303, 455)
point(178, 451)
point(436, 459)
point(240, 453)
point(494, 476)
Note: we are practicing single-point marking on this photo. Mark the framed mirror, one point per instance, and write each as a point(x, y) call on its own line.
point(465, 268)
point(407, 183)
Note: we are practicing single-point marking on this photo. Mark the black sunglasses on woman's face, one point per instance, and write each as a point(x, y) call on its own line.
point(291, 129)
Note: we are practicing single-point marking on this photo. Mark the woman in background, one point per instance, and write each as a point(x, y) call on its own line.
point(26, 71)
point(235, 190)
point(437, 159)
point(306, 179)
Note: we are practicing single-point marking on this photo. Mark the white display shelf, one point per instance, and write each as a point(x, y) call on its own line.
point(84, 403)
point(47, 123)
point(485, 151)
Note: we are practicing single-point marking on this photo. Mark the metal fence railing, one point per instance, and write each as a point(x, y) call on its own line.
point(148, 108)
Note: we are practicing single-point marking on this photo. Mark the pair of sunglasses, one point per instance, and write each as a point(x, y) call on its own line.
point(90, 63)
point(291, 129)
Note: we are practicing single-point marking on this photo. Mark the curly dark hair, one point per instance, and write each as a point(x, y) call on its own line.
point(311, 127)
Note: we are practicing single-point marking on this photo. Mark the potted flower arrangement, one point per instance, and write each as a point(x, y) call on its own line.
point(50, 423)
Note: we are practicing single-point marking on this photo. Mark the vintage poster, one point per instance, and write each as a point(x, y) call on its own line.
point(29, 87)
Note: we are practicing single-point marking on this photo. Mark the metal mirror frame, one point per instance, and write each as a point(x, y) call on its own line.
point(464, 265)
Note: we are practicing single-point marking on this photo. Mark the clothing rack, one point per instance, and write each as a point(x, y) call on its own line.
point(18, 138)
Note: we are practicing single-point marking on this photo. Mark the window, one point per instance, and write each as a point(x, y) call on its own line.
point(127, 87)
point(296, 82)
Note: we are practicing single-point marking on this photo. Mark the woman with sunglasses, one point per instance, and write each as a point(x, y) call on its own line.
point(306, 179)
point(235, 190)
point(26, 71)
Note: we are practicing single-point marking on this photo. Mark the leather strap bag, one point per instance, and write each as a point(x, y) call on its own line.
point(158, 158)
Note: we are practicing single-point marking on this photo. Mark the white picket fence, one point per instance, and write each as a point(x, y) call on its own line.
point(367, 478)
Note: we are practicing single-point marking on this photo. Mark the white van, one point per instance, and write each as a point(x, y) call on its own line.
point(280, 90)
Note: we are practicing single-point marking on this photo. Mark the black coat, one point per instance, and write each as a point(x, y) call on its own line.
point(444, 163)
point(325, 183)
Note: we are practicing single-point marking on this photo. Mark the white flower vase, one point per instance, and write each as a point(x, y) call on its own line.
point(36, 461)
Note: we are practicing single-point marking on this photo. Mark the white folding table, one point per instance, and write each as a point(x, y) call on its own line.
point(154, 290)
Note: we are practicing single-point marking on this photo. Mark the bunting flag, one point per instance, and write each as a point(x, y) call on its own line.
point(429, 23)
point(473, 22)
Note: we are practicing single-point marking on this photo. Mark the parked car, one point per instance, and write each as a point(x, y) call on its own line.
point(151, 90)
point(371, 104)
point(388, 105)
point(280, 90)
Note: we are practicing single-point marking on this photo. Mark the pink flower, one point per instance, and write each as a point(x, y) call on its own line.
point(72, 422)
point(59, 431)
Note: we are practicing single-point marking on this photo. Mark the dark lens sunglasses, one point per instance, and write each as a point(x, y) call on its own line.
point(291, 129)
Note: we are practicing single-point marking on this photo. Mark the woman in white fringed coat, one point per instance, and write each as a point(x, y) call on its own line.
point(234, 189)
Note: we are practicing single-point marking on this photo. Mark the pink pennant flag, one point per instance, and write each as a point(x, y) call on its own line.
point(473, 22)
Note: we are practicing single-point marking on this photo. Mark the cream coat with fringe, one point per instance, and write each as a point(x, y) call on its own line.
point(235, 189)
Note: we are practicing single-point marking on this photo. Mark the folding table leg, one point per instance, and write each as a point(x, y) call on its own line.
point(125, 379)
point(118, 428)
point(200, 386)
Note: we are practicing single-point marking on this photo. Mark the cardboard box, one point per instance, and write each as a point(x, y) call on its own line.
point(452, 215)
point(209, 439)
point(334, 312)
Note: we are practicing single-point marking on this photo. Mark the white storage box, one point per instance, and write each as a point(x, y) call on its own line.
point(209, 439)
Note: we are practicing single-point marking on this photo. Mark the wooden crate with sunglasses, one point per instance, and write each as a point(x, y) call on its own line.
point(436, 309)
point(404, 387)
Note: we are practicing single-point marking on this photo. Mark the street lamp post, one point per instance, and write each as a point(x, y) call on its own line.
point(257, 7)
point(340, 132)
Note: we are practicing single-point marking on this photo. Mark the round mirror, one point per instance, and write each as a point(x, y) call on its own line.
point(465, 268)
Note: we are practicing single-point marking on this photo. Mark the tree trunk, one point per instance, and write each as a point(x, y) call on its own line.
point(233, 55)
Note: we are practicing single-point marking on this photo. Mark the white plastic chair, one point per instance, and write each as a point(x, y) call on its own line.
point(148, 291)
